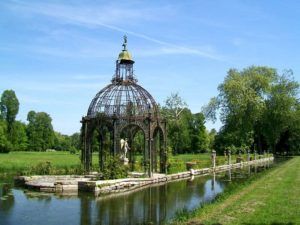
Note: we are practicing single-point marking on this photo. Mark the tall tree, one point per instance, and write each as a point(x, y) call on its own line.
point(174, 106)
point(186, 131)
point(19, 138)
point(212, 135)
point(40, 131)
point(281, 107)
point(256, 105)
point(198, 134)
point(9, 106)
point(241, 101)
point(61, 142)
point(75, 140)
point(4, 143)
point(172, 110)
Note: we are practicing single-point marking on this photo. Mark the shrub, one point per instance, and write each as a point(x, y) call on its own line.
point(6, 148)
point(42, 168)
point(114, 168)
point(73, 150)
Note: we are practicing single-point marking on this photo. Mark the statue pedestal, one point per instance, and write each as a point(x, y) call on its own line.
point(125, 161)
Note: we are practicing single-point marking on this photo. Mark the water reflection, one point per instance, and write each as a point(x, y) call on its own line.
point(156, 204)
point(7, 197)
point(229, 174)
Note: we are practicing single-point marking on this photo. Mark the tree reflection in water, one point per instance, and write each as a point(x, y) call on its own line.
point(154, 204)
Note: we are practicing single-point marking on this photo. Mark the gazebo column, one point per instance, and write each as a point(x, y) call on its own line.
point(149, 157)
point(83, 140)
point(87, 150)
point(150, 166)
point(154, 153)
point(86, 154)
point(164, 150)
point(162, 155)
point(145, 153)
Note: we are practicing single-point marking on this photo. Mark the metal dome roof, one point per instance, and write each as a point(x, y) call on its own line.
point(125, 99)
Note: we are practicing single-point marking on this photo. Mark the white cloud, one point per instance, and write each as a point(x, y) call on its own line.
point(107, 16)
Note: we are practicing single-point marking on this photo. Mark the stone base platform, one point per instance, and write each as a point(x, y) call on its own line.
point(90, 183)
point(48, 183)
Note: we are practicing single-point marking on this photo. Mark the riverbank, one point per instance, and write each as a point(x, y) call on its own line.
point(271, 199)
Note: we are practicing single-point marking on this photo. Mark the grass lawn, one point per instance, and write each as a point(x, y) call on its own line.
point(23, 161)
point(20, 161)
point(274, 198)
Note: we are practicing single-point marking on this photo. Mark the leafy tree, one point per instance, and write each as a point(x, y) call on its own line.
point(9, 107)
point(186, 131)
point(19, 138)
point(281, 106)
point(178, 134)
point(40, 131)
point(212, 135)
point(256, 106)
point(61, 142)
point(198, 134)
point(66, 143)
point(75, 140)
point(95, 141)
point(293, 137)
point(138, 142)
point(5, 145)
point(241, 102)
point(174, 106)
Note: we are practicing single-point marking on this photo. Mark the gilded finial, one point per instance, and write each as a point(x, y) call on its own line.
point(124, 43)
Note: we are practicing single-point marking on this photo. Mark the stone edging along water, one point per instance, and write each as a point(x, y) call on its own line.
point(87, 183)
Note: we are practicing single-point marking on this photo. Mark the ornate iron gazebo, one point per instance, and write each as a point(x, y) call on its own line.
point(120, 110)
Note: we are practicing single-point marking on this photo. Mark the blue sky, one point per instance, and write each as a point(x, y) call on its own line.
point(57, 55)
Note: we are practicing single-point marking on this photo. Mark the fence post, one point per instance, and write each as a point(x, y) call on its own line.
point(213, 157)
point(229, 157)
point(248, 155)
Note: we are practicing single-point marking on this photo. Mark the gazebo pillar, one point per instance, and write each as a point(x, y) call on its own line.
point(149, 161)
point(86, 152)
point(165, 150)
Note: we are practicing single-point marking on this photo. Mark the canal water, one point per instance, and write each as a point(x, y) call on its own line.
point(152, 205)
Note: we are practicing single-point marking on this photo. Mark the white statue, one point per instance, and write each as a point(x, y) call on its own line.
point(124, 148)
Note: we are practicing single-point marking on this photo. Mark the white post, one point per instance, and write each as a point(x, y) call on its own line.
point(213, 157)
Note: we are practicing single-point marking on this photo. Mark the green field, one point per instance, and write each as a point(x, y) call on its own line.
point(63, 162)
point(23, 161)
point(274, 198)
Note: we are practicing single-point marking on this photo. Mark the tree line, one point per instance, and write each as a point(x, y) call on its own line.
point(259, 109)
point(36, 135)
